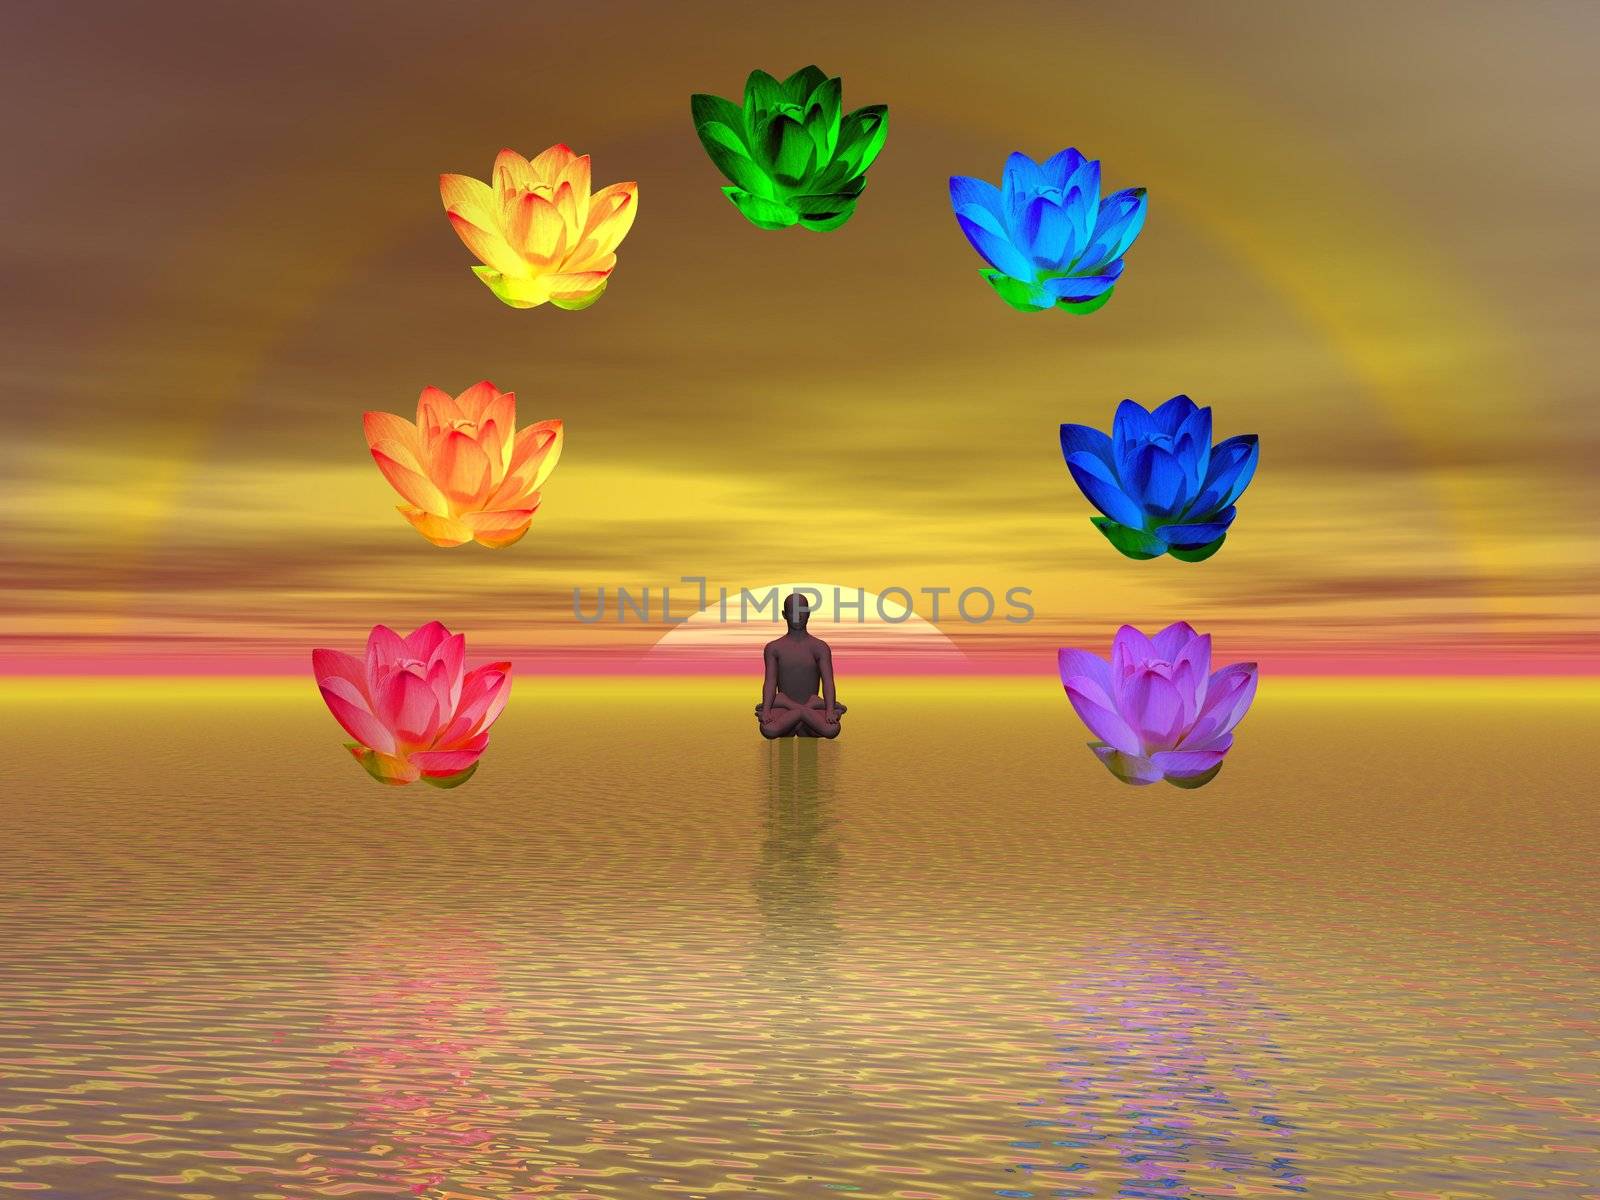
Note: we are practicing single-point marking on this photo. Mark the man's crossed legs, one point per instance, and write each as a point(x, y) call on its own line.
point(789, 718)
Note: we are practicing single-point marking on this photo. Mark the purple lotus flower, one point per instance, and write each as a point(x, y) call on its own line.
point(1157, 709)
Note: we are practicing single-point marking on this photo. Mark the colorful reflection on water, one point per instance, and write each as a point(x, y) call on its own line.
point(942, 957)
point(1160, 1046)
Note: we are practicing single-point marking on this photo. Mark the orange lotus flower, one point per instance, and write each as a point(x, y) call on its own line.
point(467, 473)
point(538, 232)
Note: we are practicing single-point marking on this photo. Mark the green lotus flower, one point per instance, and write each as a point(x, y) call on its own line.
point(792, 158)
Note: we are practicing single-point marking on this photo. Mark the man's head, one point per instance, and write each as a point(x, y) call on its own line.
point(796, 611)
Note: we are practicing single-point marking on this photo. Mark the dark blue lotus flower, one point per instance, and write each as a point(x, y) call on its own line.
point(1052, 241)
point(1164, 488)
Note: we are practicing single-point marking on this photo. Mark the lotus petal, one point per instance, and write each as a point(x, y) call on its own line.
point(436, 410)
point(1229, 694)
point(1233, 465)
point(1087, 306)
point(1046, 232)
point(1156, 481)
point(824, 206)
point(382, 427)
point(440, 530)
point(1080, 206)
point(1060, 168)
point(536, 230)
point(1080, 289)
point(1151, 704)
point(611, 217)
point(511, 174)
point(1129, 648)
point(461, 469)
point(418, 490)
point(448, 660)
point(1193, 536)
point(1131, 542)
point(1076, 439)
point(974, 196)
point(499, 528)
point(1197, 553)
point(707, 109)
point(762, 93)
point(822, 120)
point(1131, 429)
point(1021, 180)
point(445, 762)
point(997, 249)
point(1169, 417)
point(1118, 223)
point(408, 706)
point(1179, 644)
point(515, 291)
point(489, 245)
point(424, 640)
point(484, 693)
point(803, 83)
point(334, 664)
point(385, 648)
point(1019, 294)
point(823, 223)
point(1130, 768)
point(1178, 764)
point(1181, 767)
point(472, 199)
point(1088, 669)
point(1097, 482)
point(1104, 721)
point(577, 290)
point(1186, 780)
point(534, 455)
point(349, 708)
point(451, 781)
point(861, 138)
point(761, 212)
point(385, 768)
point(726, 146)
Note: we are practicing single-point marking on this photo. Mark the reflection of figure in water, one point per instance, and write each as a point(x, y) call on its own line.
point(799, 857)
point(796, 664)
point(809, 1063)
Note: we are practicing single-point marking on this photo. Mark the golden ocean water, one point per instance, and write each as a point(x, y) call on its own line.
point(644, 953)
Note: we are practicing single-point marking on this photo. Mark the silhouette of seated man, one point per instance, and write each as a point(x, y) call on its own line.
point(795, 664)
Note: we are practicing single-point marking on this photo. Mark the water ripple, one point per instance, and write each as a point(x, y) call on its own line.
point(943, 957)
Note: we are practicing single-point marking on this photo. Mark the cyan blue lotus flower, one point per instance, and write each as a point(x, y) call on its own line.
point(1052, 241)
point(1164, 488)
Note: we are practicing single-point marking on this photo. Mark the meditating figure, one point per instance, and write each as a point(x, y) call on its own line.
point(796, 663)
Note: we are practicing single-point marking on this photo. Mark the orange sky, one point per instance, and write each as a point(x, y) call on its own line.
point(1370, 241)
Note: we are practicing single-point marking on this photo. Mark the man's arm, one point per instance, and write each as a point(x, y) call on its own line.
point(825, 665)
point(769, 685)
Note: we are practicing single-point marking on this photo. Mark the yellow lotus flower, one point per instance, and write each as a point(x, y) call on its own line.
point(539, 233)
point(467, 473)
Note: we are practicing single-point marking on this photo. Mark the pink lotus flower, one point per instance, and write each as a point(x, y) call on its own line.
point(414, 711)
point(1157, 709)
